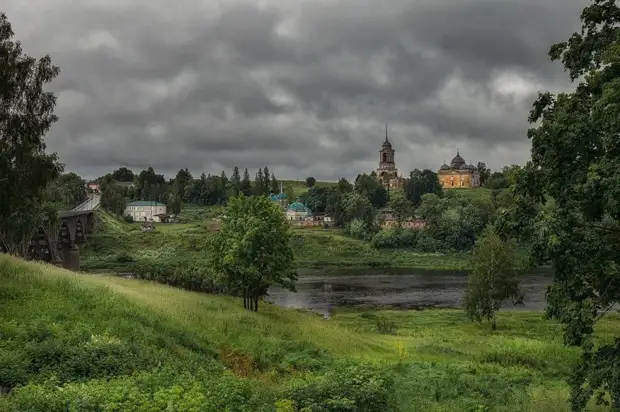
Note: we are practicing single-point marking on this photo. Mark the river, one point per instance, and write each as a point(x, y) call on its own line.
point(323, 291)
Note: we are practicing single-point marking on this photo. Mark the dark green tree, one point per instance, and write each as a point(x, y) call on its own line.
point(182, 180)
point(235, 182)
point(66, 192)
point(259, 183)
point(253, 250)
point(493, 278)
point(310, 181)
point(344, 186)
point(372, 189)
point(576, 162)
point(484, 172)
point(123, 175)
point(421, 182)
point(26, 114)
point(266, 181)
point(275, 185)
point(224, 186)
point(246, 184)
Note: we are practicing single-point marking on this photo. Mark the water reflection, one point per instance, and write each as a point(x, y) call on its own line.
point(324, 291)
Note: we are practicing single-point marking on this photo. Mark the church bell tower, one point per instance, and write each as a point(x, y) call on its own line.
point(387, 167)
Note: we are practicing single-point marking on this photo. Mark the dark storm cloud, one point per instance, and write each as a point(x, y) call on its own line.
point(303, 87)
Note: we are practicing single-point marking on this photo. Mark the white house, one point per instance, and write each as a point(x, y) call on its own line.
point(146, 210)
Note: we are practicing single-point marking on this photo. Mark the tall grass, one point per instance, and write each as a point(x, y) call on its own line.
point(87, 342)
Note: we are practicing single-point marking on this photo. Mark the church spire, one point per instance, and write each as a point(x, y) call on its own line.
point(386, 138)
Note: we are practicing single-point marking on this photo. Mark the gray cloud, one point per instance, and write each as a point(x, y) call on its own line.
point(303, 87)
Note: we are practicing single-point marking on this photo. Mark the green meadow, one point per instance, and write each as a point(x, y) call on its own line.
point(118, 246)
point(77, 342)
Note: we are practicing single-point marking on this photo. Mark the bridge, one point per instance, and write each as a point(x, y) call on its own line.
point(60, 243)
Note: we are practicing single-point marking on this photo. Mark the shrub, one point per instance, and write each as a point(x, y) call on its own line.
point(394, 239)
point(347, 387)
point(357, 229)
point(128, 218)
point(385, 326)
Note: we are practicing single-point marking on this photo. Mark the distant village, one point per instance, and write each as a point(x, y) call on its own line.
point(457, 174)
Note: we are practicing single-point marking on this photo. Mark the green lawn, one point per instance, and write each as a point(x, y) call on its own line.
point(73, 342)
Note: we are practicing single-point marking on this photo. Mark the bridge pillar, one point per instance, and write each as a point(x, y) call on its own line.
point(74, 258)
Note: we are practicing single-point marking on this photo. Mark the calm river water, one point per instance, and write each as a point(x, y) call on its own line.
point(322, 291)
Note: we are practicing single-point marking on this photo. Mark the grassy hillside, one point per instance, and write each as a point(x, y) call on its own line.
point(118, 246)
point(299, 186)
point(94, 343)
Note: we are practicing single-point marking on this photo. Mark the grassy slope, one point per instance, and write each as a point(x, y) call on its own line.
point(54, 322)
point(116, 243)
point(299, 186)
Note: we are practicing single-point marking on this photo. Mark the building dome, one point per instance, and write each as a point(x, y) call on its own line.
point(386, 144)
point(457, 162)
point(464, 167)
point(444, 167)
point(281, 196)
point(298, 207)
point(273, 197)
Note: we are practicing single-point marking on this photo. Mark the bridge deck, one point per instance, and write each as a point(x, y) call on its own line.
point(72, 213)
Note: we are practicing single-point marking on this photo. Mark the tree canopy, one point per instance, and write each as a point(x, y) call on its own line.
point(253, 249)
point(26, 114)
point(576, 163)
point(493, 278)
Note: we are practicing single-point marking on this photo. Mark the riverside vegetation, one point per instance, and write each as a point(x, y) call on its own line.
point(92, 343)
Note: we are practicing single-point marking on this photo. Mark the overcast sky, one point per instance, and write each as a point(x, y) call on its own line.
point(304, 87)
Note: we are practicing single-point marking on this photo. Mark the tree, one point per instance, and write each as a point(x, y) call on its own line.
point(310, 181)
point(358, 207)
point(235, 182)
point(66, 192)
point(493, 278)
point(253, 250)
point(113, 197)
point(266, 181)
point(401, 207)
point(421, 183)
point(372, 189)
point(123, 175)
point(223, 185)
point(575, 161)
point(26, 114)
point(181, 186)
point(259, 183)
point(344, 186)
point(246, 184)
point(484, 172)
point(275, 185)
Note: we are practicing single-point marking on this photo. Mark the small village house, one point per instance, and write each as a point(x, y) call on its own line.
point(146, 210)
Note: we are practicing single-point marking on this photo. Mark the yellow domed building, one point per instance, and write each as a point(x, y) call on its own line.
point(458, 174)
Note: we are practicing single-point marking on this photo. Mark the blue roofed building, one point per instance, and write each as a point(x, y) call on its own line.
point(297, 212)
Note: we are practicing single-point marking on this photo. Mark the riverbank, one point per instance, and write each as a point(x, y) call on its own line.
point(133, 343)
point(118, 246)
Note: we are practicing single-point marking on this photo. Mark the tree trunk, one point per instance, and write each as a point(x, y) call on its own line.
point(256, 304)
point(494, 324)
point(245, 299)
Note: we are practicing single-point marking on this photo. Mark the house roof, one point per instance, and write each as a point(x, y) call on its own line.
point(145, 203)
point(298, 207)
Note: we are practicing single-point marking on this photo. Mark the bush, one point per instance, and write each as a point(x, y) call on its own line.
point(385, 326)
point(358, 230)
point(347, 387)
point(128, 218)
point(186, 274)
point(395, 239)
